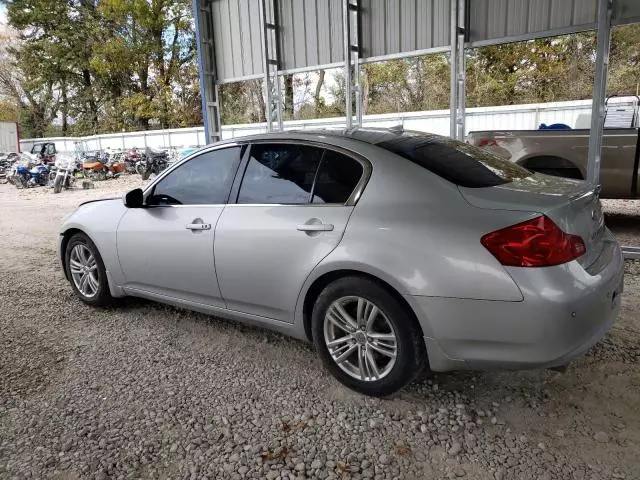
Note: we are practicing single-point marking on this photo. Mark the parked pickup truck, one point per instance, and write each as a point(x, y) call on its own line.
point(563, 152)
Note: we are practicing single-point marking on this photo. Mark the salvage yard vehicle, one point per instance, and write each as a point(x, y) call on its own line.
point(388, 250)
point(28, 171)
point(45, 151)
point(100, 165)
point(64, 172)
point(563, 152)
point(6, 162)
point(152, 162)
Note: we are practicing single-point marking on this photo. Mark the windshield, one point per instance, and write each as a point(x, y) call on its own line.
point(455, 161)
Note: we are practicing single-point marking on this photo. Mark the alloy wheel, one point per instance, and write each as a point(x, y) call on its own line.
point(360, 338)
point(84, 270)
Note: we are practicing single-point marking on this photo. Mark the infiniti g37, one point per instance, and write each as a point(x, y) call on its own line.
point(389, 250)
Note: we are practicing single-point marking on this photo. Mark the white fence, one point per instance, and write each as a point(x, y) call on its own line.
point(510, 117)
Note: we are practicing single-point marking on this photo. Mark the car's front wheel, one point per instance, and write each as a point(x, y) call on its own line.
point(365, 337)
point(86, 271)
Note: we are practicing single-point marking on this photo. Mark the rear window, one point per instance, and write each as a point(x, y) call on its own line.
point(457, 162)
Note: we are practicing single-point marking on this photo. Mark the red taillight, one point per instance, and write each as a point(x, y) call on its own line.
point(487, 143)
point(535, 243)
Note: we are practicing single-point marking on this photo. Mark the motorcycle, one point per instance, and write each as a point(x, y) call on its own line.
point(131, 159)
point(155, 161)
point(100, 166)
point(64, 173)
point(28, 173)
point(6, 162)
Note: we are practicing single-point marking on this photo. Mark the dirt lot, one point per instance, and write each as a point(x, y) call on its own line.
point(144, 390)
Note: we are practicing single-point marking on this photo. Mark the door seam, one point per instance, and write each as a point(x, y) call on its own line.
point(215, 266)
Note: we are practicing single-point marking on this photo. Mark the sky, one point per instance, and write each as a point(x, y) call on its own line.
point(3, 14)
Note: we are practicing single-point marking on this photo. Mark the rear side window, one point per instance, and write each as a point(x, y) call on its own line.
point(457, 162)
point(279, 174)
point(337, 178)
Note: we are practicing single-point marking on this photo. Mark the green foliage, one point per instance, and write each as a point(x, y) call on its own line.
point(8, 112)
point(88, 66)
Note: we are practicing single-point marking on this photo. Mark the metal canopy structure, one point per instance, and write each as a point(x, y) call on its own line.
point(266, 39)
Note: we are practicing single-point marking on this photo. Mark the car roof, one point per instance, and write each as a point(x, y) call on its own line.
point(372, 136)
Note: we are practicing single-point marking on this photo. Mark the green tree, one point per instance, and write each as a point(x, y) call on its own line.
point(148, 46)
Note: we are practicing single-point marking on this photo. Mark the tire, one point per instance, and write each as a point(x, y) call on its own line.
point(57, 184)
point(410, 353)
point(146, 174)
point(102, 296)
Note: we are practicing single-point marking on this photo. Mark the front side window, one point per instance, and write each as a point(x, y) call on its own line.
point(203, 180)
point(279, 174)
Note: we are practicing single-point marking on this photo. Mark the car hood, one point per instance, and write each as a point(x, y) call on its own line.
point(99, 200)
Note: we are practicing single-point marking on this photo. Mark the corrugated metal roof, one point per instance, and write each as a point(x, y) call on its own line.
point(237, 38)
point(310, 32)
point(508, 19)
point(391, 27)
point(626, 11)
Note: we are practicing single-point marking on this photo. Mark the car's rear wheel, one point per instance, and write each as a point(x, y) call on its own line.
point(86, 271)
point(365, 337)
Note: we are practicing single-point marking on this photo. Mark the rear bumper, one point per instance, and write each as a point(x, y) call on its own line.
point(565, 311)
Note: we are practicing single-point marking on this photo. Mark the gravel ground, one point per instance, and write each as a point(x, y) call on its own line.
point(148, 391)
point(623, 218)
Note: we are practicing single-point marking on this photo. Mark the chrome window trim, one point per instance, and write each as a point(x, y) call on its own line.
point(209, 205)
point(367, 169)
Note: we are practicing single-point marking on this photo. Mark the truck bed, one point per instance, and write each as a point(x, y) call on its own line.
point(564, 153)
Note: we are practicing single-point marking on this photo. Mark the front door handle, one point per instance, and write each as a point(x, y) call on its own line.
point(315, 227)
point(198, 226)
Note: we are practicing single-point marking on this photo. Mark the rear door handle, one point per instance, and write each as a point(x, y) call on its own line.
point(198, 226)
point(315, 227)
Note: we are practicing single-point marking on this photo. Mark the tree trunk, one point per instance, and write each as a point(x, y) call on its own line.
point(88, 92)
point(262, 108)
point(40, 123)
point(365, 91)
point(288, 96)
point(316, 96)
point(64, 109)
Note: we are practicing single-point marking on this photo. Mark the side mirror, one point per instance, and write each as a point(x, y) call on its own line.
point(134, 198)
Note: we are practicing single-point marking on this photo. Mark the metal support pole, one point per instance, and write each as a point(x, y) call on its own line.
point(207, 70)
point(598, 113)
point(273, 92)
point(453, 96)
point(347, 62)
point(265, 60)
point(354, 18)
point(462, 76)
point(458, 70)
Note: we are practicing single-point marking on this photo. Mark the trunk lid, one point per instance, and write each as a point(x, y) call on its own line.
point(573, 205)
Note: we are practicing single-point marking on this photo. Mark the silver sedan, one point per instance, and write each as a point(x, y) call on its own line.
point(389, 250)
